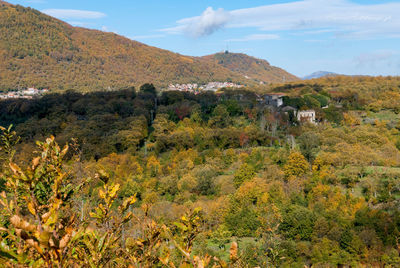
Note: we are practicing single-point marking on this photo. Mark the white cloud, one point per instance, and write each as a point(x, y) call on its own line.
point(376, 58)
point(253, 37)
point(314, 41)
point(344, 18)
point(207, 23)
point(319, 31)
point(74, 14)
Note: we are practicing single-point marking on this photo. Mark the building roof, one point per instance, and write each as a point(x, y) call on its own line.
point(307, 111)
point(275, 94)
point(288, 108)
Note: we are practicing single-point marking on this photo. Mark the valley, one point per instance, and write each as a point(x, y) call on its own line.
point(114, 153)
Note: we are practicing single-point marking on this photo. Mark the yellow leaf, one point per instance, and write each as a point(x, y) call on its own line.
point(46, 216)
point(16, 221)
point(185, 265)
point(64, 151)
point(18, 172)
point(133, 199)
point(52, 219)
point(35, 163)
point(64, 241)
point(102, 194)
point(44, 237)
point(233, 252)
point(31, 208)
point(114, 190)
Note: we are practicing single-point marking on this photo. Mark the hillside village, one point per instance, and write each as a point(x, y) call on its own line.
point(196, 88)
point(276, 102)
point(29, 93)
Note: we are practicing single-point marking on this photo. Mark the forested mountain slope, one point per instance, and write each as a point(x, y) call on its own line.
point(37, 50)
point(320, 74)
point(250, 67)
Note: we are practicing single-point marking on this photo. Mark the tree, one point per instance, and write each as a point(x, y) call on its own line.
point(296, 165)
point(153, 166)
point(36, 204)
point(311, 102)
point(244, 173)
point(298, 223)
point(220, 117)
point(205, 177)
point(40, 228)
point(242, 219)
point(131, 138)
point(333, 114)
point(323, 100)
point(221, 236)
point(327, 252)
point(148, 88)
point(309, 143)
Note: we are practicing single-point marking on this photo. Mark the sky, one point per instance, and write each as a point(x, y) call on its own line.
point(352, 37)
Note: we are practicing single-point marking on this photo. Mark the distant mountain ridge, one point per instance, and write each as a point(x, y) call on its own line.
point(250, 67)
point(37, 50)
point(320, 74)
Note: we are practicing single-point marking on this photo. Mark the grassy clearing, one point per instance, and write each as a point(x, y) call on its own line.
point(386, 115)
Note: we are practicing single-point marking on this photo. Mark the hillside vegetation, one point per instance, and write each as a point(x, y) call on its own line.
point(39, 51)
point(207, 180)
point(359, 92)
point(250, 67)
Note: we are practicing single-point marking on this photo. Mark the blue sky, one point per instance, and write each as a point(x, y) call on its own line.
point(343, 36)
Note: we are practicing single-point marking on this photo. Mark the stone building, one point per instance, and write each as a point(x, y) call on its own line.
point(274, 99)
point(306, 116)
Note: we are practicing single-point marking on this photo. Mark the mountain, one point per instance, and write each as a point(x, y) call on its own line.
point(37, 50)
point(250, 67)
point(320, 74)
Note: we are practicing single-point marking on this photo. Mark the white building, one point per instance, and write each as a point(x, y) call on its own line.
point(30, 91)
point(195, 88)
point(306, 116)
point(274, 99)
point(24, 94)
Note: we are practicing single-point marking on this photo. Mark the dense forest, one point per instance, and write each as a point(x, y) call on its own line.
point(173, 179)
